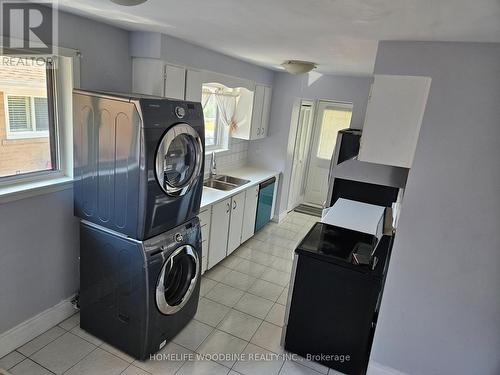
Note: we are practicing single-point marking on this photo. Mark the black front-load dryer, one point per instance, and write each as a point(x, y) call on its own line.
point(137, 295)
point(138, 161)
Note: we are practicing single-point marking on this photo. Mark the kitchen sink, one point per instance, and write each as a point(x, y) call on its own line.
point(222, 182)
point(232, 180)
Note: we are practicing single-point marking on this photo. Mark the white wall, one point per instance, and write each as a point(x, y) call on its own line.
point(288, 89)
point(39, 236)
point(440, 311)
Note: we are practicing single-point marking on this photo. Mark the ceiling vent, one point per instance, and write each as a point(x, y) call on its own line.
point(298, 67)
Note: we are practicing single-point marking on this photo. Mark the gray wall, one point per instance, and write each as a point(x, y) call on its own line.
point(288, 89)
point(39, 236)
point(177, 51)
point(180, 52)
point(440, 312)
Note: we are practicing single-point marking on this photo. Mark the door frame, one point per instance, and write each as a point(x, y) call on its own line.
point(292, 139)
point(312, 104)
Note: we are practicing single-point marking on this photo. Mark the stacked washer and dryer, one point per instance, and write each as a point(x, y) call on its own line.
point(138, 169)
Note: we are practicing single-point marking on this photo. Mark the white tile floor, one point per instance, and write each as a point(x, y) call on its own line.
point(241, 310)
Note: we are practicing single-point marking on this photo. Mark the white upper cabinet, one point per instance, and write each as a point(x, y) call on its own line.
point(266, 112)
point(175, 81)
point(148, 76)
point(253, 114)
point(194, 83)
point(393, 118)
point(155, 77)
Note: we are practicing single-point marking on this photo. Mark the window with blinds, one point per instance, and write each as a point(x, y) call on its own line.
point(19, 113)
point(28, 137)
point(41, 113)
point(28, 114)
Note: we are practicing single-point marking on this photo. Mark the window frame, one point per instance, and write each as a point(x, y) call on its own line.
point(65, 77)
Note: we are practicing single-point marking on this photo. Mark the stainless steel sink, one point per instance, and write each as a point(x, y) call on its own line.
point(222, 182)
point(232, 180)
point(214, 184)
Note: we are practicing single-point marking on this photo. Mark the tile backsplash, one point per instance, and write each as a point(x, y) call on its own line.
point(236, 156)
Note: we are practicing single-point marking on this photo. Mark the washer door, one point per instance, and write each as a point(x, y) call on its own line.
point(177, 280)
point(178, 159)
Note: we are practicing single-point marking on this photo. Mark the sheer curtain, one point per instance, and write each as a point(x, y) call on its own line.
point(226, 104)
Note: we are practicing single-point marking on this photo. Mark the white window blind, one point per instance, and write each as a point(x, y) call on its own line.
point(20, 113)
point(41, 113)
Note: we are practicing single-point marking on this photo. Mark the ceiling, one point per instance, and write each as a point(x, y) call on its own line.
point(341, 36)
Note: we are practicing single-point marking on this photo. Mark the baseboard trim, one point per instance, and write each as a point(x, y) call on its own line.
point(375, 368)
point(31, 328)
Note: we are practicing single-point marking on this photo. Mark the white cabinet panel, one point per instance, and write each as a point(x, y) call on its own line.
point(175, 82)
point(204, 216)
point(266, 111)
point(205, 232)
point(251, 197)
point(393, 119)
point(252, 113)
point(147, 76)
point(194, 83)
point(236, 222)
point(219, 229)
point(258, 105)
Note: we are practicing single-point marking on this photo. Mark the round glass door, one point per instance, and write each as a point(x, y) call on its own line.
point(178, 159)
point(177, 280)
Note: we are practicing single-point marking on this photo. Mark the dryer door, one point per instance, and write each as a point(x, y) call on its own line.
point(179, 159)
point(177, 280)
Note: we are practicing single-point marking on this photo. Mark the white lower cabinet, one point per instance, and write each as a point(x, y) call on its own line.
point(236, 222)
point(248, 227)
point(205, 216)
point(232, 222)
point(219, 230)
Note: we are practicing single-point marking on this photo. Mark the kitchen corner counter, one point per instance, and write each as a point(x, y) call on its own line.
point(256, 175)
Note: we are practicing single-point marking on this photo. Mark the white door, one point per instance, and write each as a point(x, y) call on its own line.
point(236, 222)
point(300, 153)
point(219, 229)
point(250, 213)
point(330, 118)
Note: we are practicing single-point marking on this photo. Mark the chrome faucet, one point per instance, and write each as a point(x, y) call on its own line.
point(213, 166)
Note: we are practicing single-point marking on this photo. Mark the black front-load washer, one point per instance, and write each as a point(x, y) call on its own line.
point(137, 295)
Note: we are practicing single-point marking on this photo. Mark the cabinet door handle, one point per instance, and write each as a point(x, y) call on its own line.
point(234, 205)
point(228, 207)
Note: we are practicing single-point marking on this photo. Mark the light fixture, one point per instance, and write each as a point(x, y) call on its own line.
point(129, 2)
point(298, 67)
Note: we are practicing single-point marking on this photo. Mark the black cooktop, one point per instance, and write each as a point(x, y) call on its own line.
point(328, 241)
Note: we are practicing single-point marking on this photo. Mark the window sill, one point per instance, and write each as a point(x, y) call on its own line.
point(12, 136)
point(14, 192)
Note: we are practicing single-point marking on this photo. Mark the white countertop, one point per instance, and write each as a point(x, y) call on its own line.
point(256, 175)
